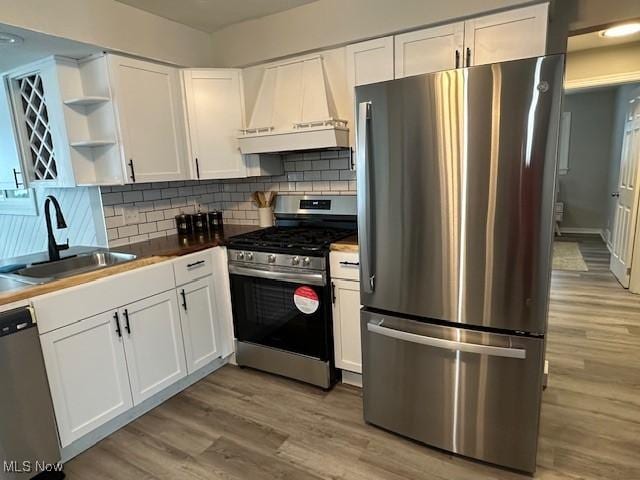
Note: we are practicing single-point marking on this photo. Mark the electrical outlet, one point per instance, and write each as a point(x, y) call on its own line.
point(131, 215)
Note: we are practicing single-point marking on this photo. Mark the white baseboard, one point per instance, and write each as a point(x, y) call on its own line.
point(584, 231)
point(351, 378)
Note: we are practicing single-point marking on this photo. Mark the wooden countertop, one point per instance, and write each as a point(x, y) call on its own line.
point(349, 244)
point(148, 253)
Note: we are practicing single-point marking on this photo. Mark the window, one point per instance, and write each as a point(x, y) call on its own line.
point(18, 202)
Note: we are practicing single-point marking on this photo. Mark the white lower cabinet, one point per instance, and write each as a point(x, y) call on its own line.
point(88, 376)
point(345, 284)
point(160, 323)
point(346, 325)
point(153, 344)
point(199, 320)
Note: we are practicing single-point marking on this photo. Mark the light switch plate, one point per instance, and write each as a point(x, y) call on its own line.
point(131, 215)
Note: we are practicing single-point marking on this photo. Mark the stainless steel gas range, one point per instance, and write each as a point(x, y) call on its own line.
point(280, 288)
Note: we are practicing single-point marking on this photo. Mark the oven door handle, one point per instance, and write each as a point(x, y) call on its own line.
point(279, 275)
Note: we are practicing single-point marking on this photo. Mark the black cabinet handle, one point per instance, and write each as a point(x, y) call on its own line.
point(184, 299)
point(468, 57)
point(126, 319)
point(195, 264)
point(197, 168)
point(117, 319)
point(15, 178)
point(133, 171)
point(350, 264)
point(333, 293)
point(457, 58)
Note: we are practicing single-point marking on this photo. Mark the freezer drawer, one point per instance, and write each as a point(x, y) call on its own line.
point(469, 392)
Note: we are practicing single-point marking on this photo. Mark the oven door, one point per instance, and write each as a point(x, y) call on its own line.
point(283, 309)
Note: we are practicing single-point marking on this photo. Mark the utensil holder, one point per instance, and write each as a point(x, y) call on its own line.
point(265, 216)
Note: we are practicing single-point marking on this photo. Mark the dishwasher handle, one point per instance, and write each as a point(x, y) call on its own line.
point(507, 352)
point(15, 320)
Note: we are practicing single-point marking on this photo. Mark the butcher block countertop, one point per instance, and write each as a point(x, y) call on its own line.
point(148, 253)
point(349, 244)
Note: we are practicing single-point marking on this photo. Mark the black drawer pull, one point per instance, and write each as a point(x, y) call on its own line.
point(126, 318)
point(350, 264)
point(118, 329)
point(184, 299)
point(195, 264)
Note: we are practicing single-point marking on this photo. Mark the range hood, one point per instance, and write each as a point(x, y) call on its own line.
point(294, 111)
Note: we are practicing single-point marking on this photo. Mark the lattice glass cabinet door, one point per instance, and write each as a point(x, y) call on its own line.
point(38, 147)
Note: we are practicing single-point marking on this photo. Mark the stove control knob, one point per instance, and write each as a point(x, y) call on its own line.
point(271, 258)
point(306, 261)
point(295, 261)
point(240, 256)
point(249, 256)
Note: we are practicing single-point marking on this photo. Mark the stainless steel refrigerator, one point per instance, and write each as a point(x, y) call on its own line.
point(456, 181)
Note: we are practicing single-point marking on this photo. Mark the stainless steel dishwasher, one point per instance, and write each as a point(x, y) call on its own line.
point(28, 436)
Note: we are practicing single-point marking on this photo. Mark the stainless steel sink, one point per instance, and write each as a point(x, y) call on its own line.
point(70, 266)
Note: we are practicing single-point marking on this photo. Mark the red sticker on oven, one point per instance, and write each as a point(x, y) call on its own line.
point(306, 299)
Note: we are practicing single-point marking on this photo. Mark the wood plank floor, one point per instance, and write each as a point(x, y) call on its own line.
point(242, 424)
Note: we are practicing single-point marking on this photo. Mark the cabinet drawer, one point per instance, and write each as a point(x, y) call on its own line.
point(64, 307)
point(345, 265)
point(194, 266)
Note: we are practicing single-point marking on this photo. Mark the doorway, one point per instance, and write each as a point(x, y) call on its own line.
point(599, 157)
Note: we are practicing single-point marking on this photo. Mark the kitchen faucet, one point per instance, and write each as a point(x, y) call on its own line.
point(54, 248)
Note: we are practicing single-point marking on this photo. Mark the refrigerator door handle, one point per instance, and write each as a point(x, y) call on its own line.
point(363, 184)
point(518, 353)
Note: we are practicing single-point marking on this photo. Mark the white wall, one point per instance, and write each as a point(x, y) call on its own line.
point(22, 235)
point(608, 63)
point(113, 26)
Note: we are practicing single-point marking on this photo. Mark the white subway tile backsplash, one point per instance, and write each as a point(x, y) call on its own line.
point(132, 196)
point(325, 172)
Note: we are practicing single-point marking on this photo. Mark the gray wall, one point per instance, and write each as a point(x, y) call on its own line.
point(585, 189)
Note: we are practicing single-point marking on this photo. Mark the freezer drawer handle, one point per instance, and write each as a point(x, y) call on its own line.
point(448, 344)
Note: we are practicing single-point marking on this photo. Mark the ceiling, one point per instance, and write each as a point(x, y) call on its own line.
point(595, 40)
point(212, 15)
point(37, 46)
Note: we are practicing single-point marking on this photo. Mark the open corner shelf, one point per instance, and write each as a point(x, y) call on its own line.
point(89, 100)
point(92, 143)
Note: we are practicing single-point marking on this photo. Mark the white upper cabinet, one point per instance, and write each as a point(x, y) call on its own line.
point(87, 374)
point(153, 344)
point(148, 104)
point(369, 62)
point(10, 167)
point(429, 50)
point(215, 116)
point(519, 33)
point(40, 124)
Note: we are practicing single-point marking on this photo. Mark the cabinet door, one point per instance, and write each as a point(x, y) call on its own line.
point(9, 157)
point(520, 33)
point(429, 50)
point(199, 319)
point(87, 375)
point(153, 344)
point(346, 325)
point(370, 62)
point(148, 102)
point(215, 115)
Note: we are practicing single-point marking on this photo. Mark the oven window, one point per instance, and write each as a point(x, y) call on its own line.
point(265, 313)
